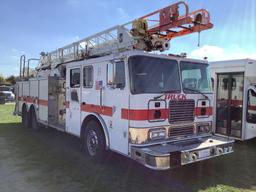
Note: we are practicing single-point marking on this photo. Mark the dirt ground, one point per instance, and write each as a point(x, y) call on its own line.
point(51, 161)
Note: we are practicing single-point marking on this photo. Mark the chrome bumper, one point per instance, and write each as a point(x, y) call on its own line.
point(175, 154)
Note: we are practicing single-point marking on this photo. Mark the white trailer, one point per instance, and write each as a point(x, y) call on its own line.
point(235, 98)
point(111, 91)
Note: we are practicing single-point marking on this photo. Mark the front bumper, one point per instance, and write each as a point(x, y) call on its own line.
point(175, 154)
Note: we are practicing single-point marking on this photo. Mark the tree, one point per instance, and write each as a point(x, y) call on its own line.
point(2, 79)
point(11, 79)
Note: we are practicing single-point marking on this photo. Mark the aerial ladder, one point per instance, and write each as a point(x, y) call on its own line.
point(151, 32)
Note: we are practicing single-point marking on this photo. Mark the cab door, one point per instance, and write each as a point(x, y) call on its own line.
point(73, 94)
point(116, 95)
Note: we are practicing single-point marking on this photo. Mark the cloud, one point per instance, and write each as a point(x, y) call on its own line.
point(215, 53)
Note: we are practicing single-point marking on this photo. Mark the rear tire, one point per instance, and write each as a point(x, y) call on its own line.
point(25, 118)
point(34, 123)
point(94, 143)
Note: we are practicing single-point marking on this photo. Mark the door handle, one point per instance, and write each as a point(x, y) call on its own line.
point(101, 102)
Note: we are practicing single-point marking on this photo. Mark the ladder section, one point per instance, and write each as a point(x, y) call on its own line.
point(112, 40)
point(151, 32)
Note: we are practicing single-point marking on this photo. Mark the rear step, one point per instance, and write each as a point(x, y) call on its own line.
point(175, 154)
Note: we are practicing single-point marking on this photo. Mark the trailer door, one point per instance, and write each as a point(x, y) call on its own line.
point(229, 104)
point(73, 94)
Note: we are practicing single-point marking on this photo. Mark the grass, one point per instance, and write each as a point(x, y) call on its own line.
point(52, 161)
point(224, 188)
point(6, 112)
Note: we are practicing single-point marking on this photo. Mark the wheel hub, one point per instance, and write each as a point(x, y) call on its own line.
point(92, 142)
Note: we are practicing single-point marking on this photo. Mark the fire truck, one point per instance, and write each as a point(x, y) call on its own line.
point(116, 92)
point(235, 98)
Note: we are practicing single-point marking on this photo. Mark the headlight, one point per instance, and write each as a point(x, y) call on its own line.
point(159, 133)
point(204, 128)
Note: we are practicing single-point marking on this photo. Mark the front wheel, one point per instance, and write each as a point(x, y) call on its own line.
point(94, 141)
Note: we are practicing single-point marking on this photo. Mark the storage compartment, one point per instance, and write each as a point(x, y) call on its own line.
point(56, 102)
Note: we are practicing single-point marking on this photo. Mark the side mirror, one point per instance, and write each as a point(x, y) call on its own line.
point(110, 75)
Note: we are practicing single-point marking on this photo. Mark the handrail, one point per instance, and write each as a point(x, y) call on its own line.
point(22, 62)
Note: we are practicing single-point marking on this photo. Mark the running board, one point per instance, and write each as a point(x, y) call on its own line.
point(175, 154)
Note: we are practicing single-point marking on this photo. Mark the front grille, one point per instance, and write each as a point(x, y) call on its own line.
point(181, 111)
point(181, 131)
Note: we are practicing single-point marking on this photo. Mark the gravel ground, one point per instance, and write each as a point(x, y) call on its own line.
point(49, 160)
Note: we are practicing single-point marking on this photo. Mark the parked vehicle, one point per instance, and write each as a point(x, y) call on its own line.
point(111, 91)
point(235, 98)
point(8, 92)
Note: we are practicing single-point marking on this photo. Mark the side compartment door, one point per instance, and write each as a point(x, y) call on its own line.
point(73, 100)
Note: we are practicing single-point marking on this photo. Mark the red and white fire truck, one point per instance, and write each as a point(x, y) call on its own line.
point(116, 93)
point(235, 98)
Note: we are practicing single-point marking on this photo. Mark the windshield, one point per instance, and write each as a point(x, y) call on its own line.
point(5, 89)
point(195, 76)
point(153, 75)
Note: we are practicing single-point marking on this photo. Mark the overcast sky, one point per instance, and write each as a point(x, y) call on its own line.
point(31, 26)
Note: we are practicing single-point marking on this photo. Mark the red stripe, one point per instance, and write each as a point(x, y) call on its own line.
point(33, 100)
point(103, 110)
point(236, 102)
point(142, 114)
point(43, 102)
point(198, 111)
point(232, 102)
point(252, 107)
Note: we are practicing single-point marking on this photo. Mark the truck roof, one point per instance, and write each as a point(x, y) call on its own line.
point(126, 54)
point(232, 63)
point(247, 66)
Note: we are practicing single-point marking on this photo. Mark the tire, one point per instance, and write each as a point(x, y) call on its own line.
point(94, 143)
point(25, 118)
point(33, 121)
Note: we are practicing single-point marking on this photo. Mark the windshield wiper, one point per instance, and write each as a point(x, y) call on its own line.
point(164, 92)
point(196, 91)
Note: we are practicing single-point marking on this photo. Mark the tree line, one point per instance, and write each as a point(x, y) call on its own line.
point(10, 80)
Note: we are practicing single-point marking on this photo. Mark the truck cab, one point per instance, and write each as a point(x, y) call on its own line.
point(157, 109)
